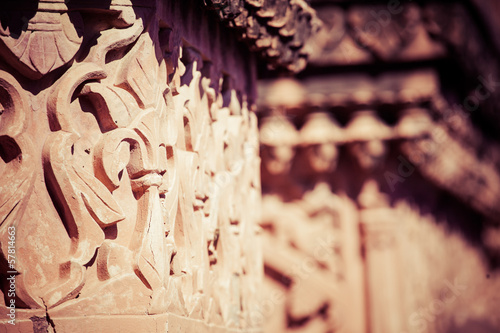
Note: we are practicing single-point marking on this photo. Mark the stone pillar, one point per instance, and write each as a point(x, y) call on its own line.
point(386, 312)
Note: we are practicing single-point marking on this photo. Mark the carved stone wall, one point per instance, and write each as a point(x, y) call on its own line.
point(129, 169)
point(380, 173)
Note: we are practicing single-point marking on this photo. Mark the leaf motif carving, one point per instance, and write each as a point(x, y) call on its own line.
point(43, 51)
point(139, 74)
point(99, 201)
point(115, 106)
point(15, 192)
point(17, 169)
point(85, 203)
point(15, 151)
point(52, 42)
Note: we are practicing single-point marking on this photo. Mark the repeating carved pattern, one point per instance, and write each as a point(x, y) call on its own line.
point(134, 184)
point(279, 30)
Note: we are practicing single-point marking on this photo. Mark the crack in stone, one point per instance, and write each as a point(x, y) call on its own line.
point(48, 321)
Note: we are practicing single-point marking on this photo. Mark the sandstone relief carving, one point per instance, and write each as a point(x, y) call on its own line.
point(133, 197)
point(132, 172)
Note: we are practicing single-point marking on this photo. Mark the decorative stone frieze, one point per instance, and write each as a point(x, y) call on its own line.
point(130, 169)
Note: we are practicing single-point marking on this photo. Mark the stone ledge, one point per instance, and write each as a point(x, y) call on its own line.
point(125, 324)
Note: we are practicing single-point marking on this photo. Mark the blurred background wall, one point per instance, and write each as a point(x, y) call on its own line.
point(380, 172)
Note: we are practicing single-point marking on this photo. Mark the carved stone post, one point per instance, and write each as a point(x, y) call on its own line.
point(385, 300)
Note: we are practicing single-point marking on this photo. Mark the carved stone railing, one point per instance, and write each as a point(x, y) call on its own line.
point(129, 170)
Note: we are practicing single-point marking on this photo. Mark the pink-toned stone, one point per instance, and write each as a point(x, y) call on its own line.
point(130, 170)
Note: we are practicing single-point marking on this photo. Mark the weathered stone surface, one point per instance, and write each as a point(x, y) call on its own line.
point(130, 184)
point(129, 170)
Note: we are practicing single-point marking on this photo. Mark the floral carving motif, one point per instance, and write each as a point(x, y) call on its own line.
point(140, 155)
point(47, 41)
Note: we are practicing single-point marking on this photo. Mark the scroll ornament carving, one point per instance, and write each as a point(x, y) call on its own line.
point(141, 163)
point(84, 204)
point(85, 162)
